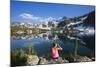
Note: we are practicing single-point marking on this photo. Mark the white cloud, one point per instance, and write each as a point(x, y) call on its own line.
point(29, 16)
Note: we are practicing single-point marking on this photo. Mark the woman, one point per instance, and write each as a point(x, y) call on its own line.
point(55, 49)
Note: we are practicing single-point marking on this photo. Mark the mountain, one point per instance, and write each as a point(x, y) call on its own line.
point(90, 20)
point(64, 21)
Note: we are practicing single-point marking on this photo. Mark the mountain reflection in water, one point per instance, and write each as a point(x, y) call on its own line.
point(43, 43)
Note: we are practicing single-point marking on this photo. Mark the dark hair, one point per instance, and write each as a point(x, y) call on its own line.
point(53, 45)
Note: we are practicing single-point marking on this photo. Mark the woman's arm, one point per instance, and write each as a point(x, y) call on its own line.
point(59, 48)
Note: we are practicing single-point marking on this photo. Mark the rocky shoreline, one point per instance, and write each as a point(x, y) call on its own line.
point(35, 60)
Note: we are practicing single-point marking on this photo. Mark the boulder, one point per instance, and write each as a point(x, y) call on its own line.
point(32, 60)
point(83, 59)
point(43, 61)
point(65, 61)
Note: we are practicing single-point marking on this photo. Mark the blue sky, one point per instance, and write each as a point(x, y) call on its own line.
point(35, 11)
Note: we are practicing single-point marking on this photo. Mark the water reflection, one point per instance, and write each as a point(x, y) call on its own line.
point(46, 36)
point(72, 43)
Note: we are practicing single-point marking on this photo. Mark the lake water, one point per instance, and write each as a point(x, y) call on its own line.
point(43, 43)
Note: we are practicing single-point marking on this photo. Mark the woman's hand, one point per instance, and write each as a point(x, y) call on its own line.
point(59, 48)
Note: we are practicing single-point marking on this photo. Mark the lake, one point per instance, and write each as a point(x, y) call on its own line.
point(42, 43)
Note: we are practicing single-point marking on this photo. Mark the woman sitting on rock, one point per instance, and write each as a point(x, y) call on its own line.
point(56, 47)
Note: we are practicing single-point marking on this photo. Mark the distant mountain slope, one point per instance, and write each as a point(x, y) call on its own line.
point(90, 21)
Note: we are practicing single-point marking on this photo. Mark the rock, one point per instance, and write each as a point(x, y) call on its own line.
point(93, 58)
point(43, 61)
point(32, 60)
point(52, 61)
point(70, 59)
point(83, 59)
point(65, 61)
point(58, 61)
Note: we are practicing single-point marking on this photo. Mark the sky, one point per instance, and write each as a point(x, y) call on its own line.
point(35, 11)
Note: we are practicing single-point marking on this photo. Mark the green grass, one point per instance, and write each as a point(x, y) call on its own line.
point(19, 56)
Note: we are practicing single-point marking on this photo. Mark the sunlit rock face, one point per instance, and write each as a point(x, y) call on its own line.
point(32, 60)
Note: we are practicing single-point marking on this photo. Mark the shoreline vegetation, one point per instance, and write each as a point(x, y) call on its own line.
point(29, 56)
